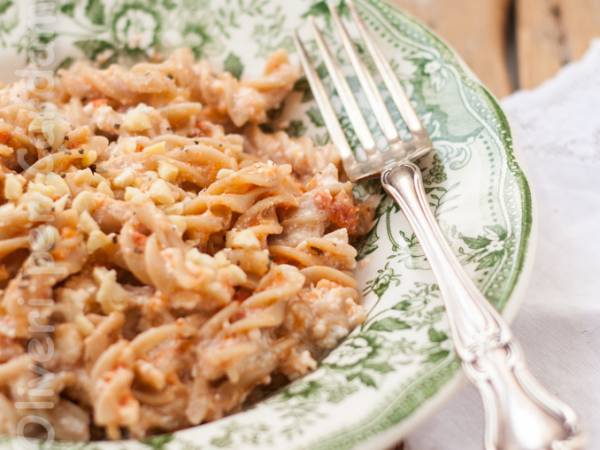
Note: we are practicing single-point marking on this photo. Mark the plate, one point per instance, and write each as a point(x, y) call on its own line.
point(399, 365)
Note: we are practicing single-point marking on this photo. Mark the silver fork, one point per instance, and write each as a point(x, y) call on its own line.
point(519, 412)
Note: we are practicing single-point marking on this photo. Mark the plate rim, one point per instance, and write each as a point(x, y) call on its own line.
point(524, 264)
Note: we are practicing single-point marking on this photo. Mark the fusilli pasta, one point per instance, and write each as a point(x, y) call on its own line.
point(161, 255)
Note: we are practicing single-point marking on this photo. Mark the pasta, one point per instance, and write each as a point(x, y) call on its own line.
point(161, 255)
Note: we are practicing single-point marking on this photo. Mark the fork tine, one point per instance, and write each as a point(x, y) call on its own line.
point(389, 77)
point(366, 81)
point(344, 92)
point(333, 126)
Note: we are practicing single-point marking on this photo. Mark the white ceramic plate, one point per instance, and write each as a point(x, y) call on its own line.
point(398, 366)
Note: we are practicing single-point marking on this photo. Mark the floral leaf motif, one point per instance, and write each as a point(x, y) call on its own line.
point(320, 8)
point(233, 65)
point(197, 38)
point(368, 245)
point(302, 86)
point(386, 206)
point(476, 243)
point(317, 9)
point(343, 9)
point(158, 442)
point(65, 63)
point(363, 377)
point(490, 260)
point(46, 38)
point(271, 34)
point(381, 367)
point(4, 5)
point(380, 284)
point(354, 352)
point(296, 128)
point(348, 130)
point(9, 19)
point(389, 324)
point(402, 306)
point(305, 390)
point(415, 303)
point(488, 249)
point(438, 74)
point(440, 198)
point(315, 117)
point(365, 189)
point(93, 47)
point(366, 379)
point(437, 356)
point(435, 173)
point(406, 249)
point(436, 336)
point(499, 230)
point(322, 71)
point(169, 4)
point(136, 27)
point(337, 393)
point(94, 11)
point(236, 433)
point(68, 8)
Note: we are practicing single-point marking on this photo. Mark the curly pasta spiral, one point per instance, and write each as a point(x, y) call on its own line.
point(173, 255)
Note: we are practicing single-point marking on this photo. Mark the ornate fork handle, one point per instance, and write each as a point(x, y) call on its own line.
point(520, 413)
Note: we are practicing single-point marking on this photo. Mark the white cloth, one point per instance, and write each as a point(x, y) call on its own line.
point(557, 134)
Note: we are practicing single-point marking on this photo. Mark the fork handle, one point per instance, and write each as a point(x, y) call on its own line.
point(519, 412)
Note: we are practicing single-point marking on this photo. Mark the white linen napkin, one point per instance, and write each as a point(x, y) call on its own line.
point(556, 129)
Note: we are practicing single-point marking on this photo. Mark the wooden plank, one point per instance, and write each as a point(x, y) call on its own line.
point(476, 29)
point(551, 33)
point(539, 41)
point(581, 23)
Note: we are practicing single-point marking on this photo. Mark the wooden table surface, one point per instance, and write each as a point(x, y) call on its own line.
point(512, 44)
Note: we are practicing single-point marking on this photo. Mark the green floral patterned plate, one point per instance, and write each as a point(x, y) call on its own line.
point(399, 365)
